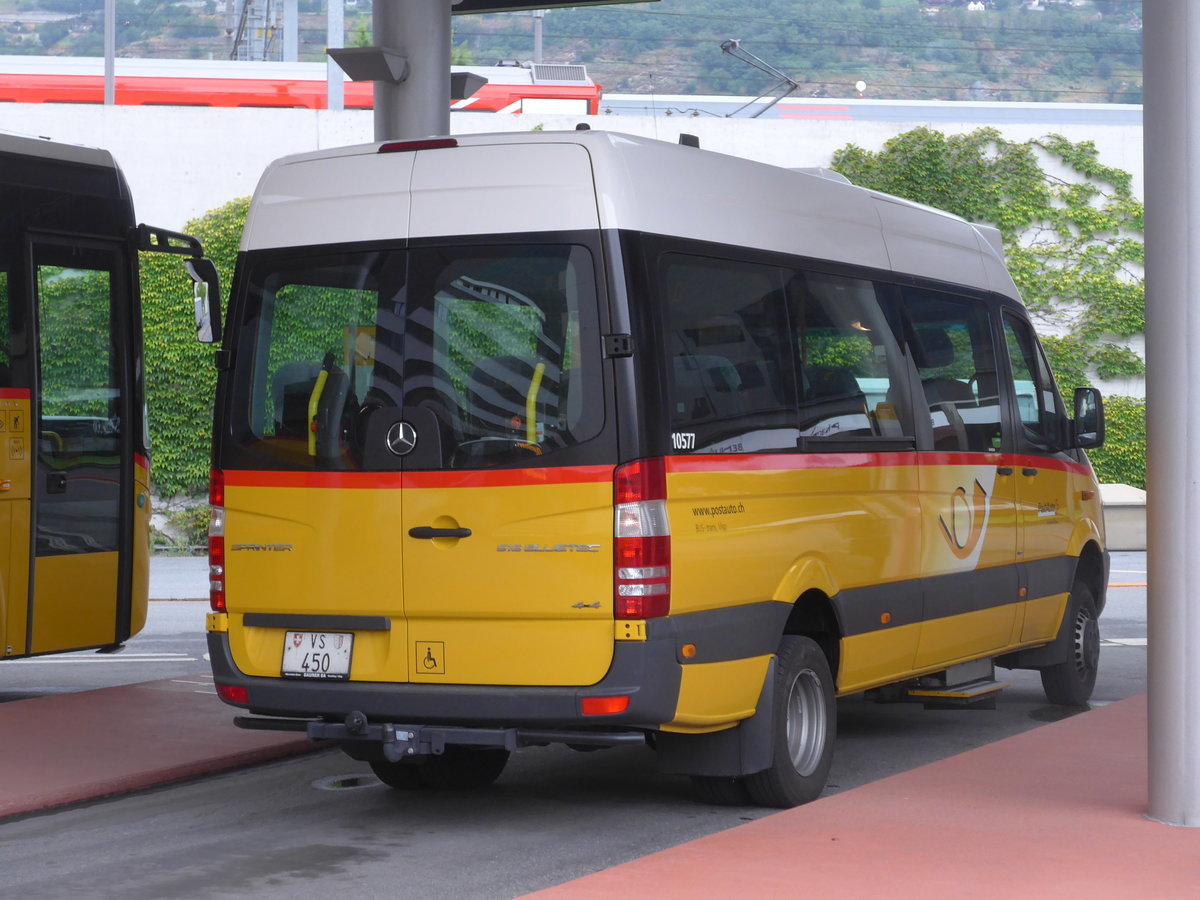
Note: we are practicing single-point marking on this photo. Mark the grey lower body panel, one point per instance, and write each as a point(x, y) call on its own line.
point(645, 671)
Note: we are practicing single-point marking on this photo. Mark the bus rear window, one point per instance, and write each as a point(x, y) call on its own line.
point(495, 349)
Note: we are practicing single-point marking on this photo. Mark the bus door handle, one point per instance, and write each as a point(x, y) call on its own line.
point(1028, 472)
point(427, 533)
point(1004, 470)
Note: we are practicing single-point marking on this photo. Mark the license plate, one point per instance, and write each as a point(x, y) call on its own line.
point(317, 654)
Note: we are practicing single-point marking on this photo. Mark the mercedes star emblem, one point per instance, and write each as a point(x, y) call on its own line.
point(401, 438)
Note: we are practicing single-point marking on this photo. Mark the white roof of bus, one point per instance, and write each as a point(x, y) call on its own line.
point(525, 185)
point(39, 147)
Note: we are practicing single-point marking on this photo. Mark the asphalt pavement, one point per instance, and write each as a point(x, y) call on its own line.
point(1056, 804)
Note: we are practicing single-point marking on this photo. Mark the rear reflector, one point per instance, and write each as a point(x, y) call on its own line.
point(410, 146)
point(642, 545)
point(232, 694)
point(604, 706)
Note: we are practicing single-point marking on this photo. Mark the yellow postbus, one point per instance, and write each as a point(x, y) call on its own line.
point(74, 455)
point(591, 439)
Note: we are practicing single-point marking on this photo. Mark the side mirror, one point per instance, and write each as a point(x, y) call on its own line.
point(206, 298)
point(1087, 429)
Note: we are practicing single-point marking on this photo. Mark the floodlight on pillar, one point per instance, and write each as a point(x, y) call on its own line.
point(465, 84)
point(372, 64)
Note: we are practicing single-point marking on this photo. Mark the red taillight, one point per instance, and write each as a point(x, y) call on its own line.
point(231, 694)
point(603, 706)
point(216, 541)
point(642, 555)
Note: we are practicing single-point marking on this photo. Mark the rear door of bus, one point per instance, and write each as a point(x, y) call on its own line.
point(67, 463)
point(507, 519)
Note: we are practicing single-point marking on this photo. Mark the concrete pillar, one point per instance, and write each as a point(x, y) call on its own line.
point(419, 106)
point(539, 16)
point(335, 39)
point(110, 52)
point(1171, 38)
point(291, 31)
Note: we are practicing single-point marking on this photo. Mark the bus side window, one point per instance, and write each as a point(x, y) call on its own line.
point(951, 344)
point(851, 370)
point(731, 382)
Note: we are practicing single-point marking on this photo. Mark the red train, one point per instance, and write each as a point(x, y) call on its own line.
point(534, 88)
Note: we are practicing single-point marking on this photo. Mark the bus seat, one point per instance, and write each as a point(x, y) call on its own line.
point(291, 388)
point(935, 350)
point(704, 387)
point(831, 393)
point(497, 395)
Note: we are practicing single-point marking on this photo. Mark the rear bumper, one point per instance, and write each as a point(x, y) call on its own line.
point(647, 672)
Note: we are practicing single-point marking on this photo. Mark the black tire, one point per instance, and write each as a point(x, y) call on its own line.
point(403, 776)
point(721, 790)
point(804, 727)
point(1071, 682)
point(464, 768)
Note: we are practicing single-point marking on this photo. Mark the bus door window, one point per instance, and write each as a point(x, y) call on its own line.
point(503, 349)
point(1043, 418)
point(732, 388)
point(80, 403)
point(951, 344)
point(852, 372)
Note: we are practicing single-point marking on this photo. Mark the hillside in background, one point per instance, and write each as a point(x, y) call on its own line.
point(1042, 50)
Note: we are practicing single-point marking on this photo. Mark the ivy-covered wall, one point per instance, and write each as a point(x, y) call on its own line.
point(180, 375)
point(1073, 237)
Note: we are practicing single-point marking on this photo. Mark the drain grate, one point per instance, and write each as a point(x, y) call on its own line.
point(355, 782)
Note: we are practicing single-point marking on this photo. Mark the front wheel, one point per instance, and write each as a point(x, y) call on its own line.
point(1071, 682)
point(804, 726)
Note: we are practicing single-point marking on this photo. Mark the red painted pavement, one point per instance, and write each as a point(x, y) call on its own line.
point(1053, 812)
point(67, 748)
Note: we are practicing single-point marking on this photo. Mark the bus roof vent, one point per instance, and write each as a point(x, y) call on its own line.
point(544, 73)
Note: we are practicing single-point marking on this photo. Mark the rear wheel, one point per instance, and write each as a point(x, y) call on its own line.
point(721, 790)
point(805, 723)
point(459, 768)
point(464, 767)
point(400, 775)
point(1071, 682)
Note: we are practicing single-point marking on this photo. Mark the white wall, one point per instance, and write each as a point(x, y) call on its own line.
point(182, 161)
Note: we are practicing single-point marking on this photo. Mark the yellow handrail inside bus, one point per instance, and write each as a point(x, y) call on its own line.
point(531, 403)
point(314, 400)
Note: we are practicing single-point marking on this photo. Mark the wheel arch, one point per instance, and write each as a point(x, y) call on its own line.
point(1092, 570)
point(813, 616)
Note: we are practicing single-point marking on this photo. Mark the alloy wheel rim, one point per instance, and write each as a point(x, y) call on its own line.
point(806, 722)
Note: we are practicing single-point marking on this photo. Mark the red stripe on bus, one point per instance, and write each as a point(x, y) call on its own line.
point(557, 475)
point(752, 462)
point(793, 461)
point(14, 393)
